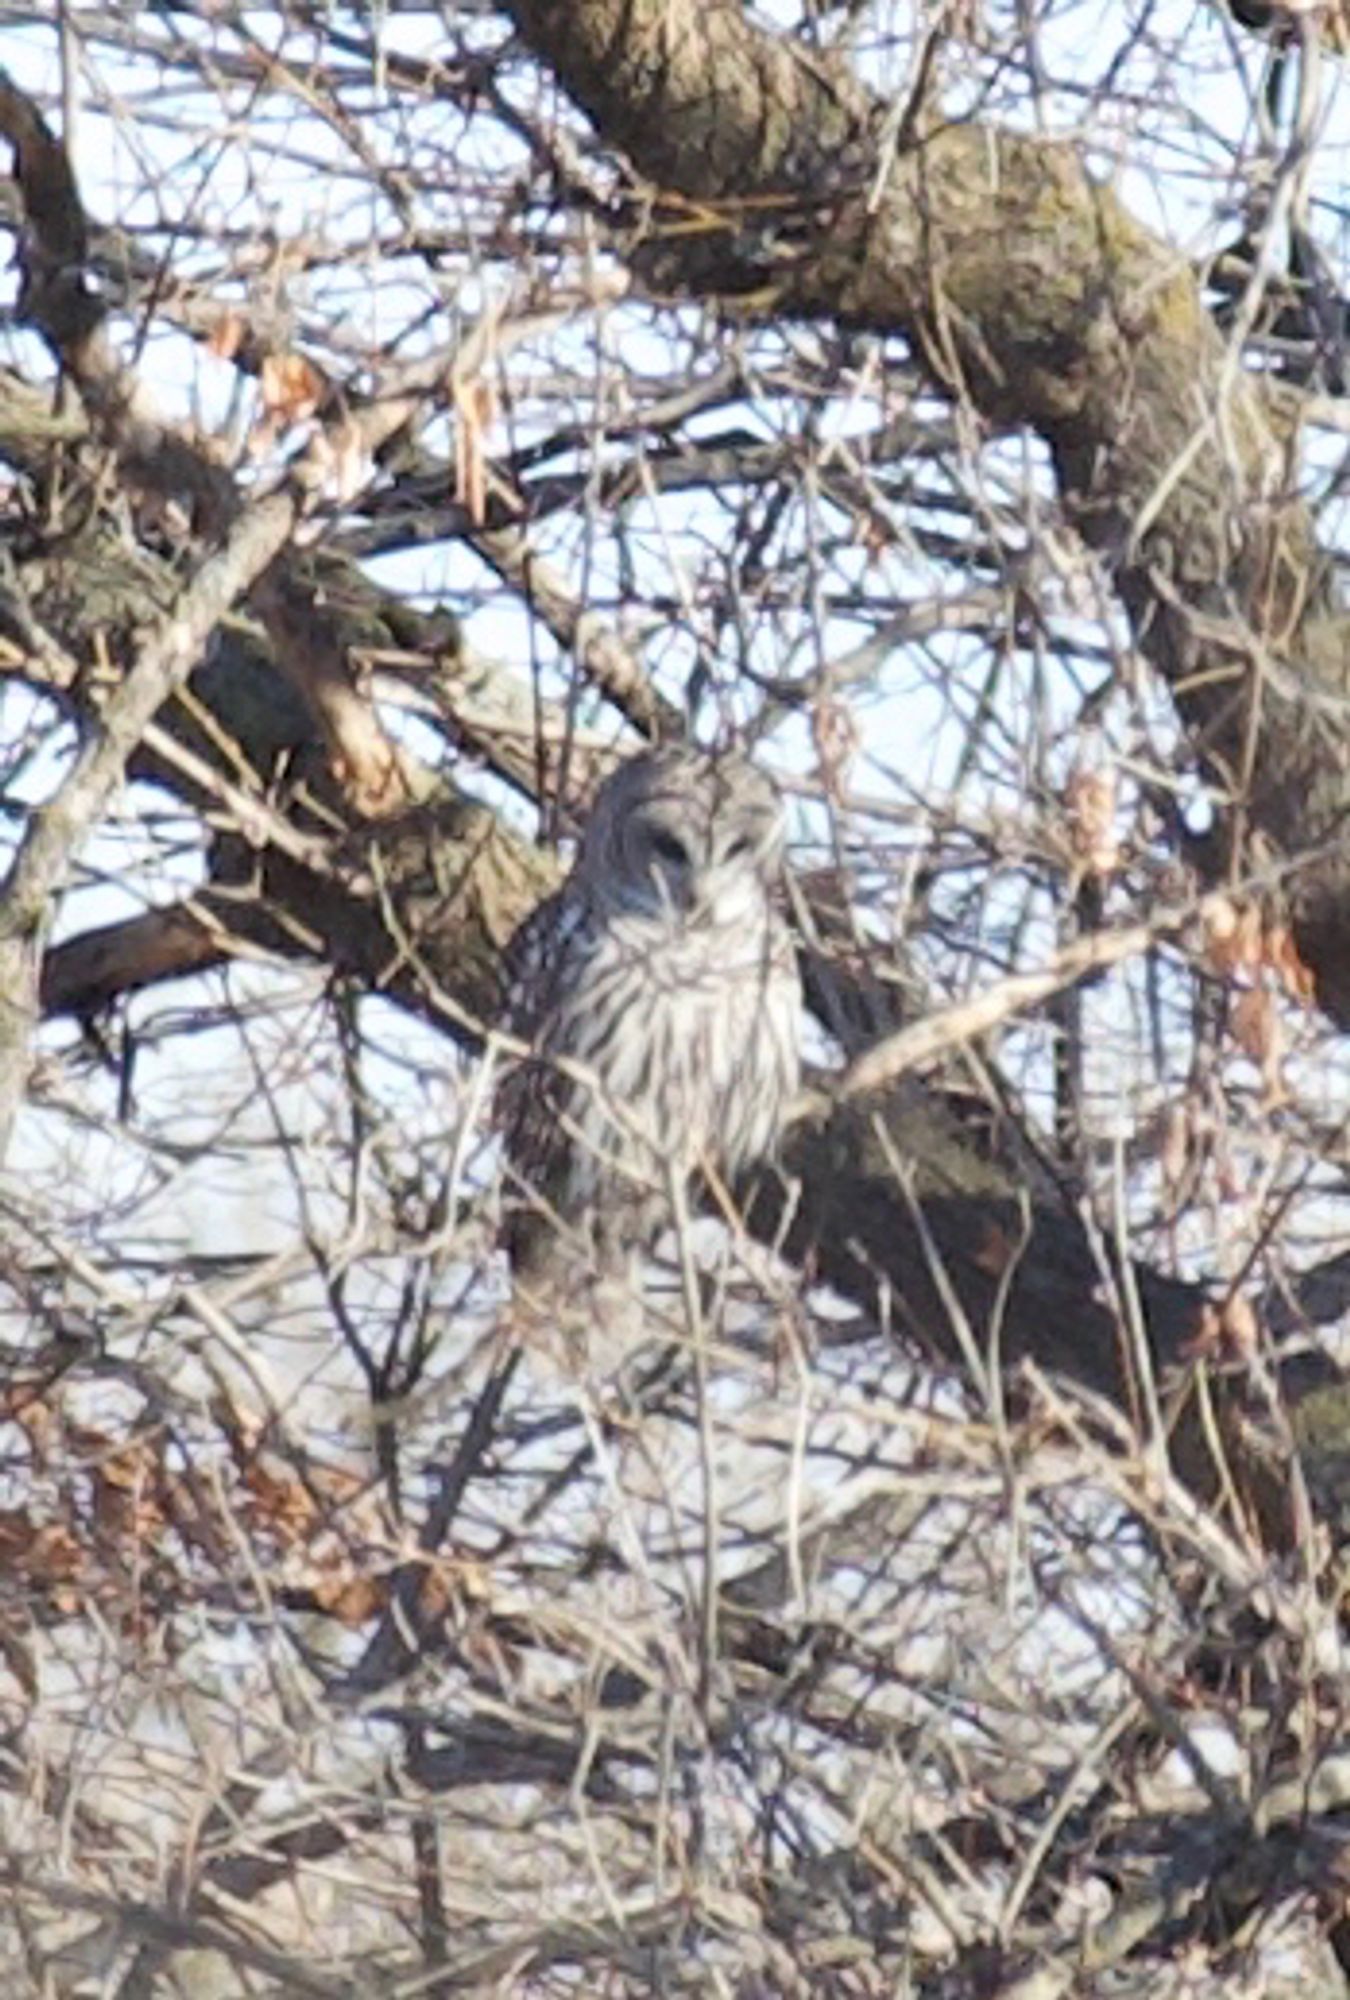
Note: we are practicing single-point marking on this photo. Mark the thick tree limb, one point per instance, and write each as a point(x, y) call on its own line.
point(1029, 289)
point(91, 971)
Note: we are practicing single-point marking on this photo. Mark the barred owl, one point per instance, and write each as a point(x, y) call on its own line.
point(658, 990)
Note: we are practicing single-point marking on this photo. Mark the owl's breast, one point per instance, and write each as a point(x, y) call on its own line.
point(701, 1050)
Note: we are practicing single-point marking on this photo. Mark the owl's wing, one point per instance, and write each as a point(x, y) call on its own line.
point(542, 964)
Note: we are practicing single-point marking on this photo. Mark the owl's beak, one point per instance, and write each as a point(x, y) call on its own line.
point(725, 901)
point(675, 889)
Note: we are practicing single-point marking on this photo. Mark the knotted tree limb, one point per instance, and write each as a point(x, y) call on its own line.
point(57, 830)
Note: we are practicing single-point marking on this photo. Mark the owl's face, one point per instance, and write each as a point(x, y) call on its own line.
point(684, 836)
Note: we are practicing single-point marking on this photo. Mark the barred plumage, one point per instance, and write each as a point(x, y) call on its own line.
point(659, 989)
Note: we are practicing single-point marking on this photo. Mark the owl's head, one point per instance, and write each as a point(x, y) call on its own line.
point(687, 835)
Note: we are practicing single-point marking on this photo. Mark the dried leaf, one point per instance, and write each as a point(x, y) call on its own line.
point(1282, 956)
point(282, 1501)
point(16, 1536)
point(1174, 1154)
point(291, 388)
point(1238, 938)
point(1259, 1033)
point(353, 1599)
point(1233, 937)
point(1241, 1332)
point(834, 733)
point(46, 1553)
point(129, 1465)
point(227, 336)
point(55, 1558)
point(996, 1250)
point(27, 1407)
point(1207, 1338)
point(1090, 802)
point(351, 462)
point(125, 1500)
point(475, 413)
point(875, 536)
point(1228, 1331)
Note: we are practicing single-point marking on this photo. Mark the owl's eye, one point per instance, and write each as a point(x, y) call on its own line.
point(739, 847)
point(668, 847)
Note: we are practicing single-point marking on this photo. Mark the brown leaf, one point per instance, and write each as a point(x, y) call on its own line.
point(475, 412)
point(834, 732)
point(1233, 937)
point(996, 1250)
point(55, 1558)
point(1259, 1033)
point(1241, 1332)
point(27, 1407)
point(16, 1536)
point(353, 1599)
point(351, 461)
point(291, 388)
point(282, 1501)
point(875, 536)
point(1228, 1331)
point(1175, 1152)
point(1282, 956)
point(125, 1498)
point(227, 336)
point(1090, 802)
